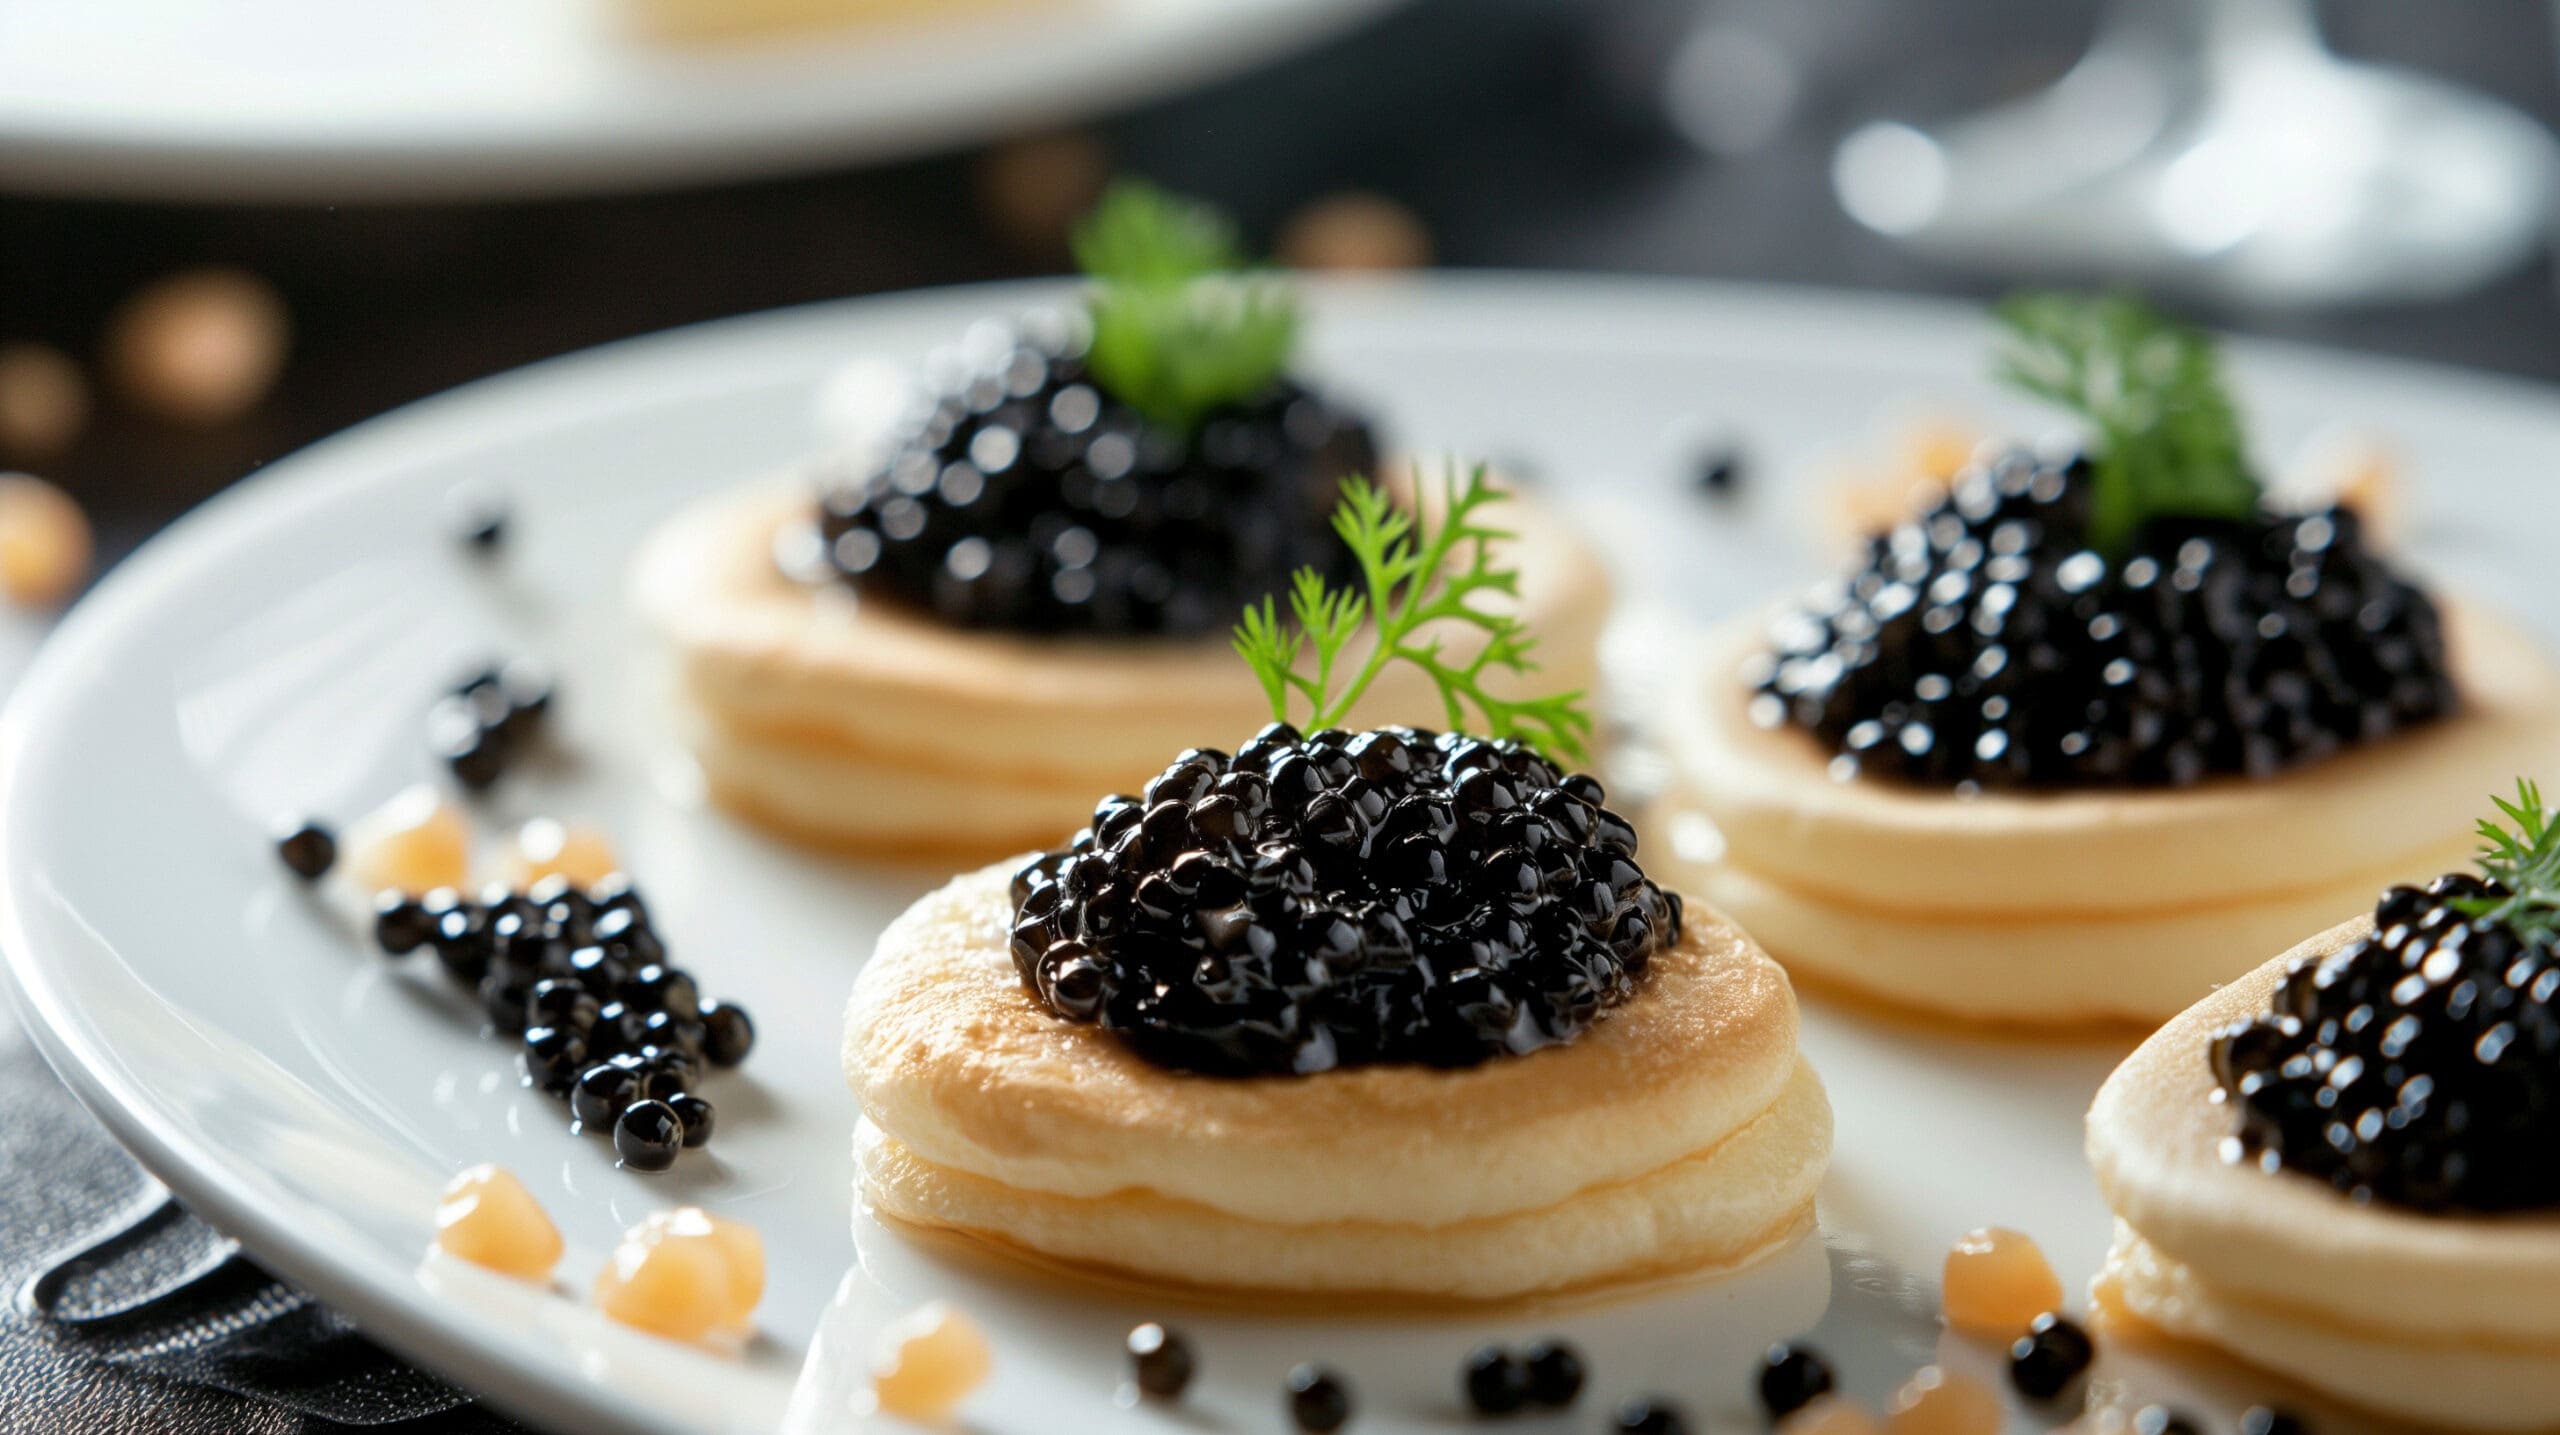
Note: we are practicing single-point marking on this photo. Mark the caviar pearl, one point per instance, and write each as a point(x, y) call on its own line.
point(727, 1034)
point(1649, 1415)
point(696, 1115)
point(647, 1135)
point(485, 722)
point(2052, 1354)
point(309, 850)
point(1983, 642)
point(1792, 1377)
point(1494, 1380)
point(605, 1022)
point(2161, 1420)
point(1028, 499)
point(1159, 1361)
point(1996, 1282)
point(401, 923)
point(2262, 1420)
point(1319, 1401)
point(487, 1217)
point(1339, 899)
point(1555, 1373)
point(2418, 1066)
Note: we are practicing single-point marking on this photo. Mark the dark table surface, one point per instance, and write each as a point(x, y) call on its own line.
point(1525, 133)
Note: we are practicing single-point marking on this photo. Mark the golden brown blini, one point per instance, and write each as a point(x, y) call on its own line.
point(2074, 907)
point(857, 725)
point(2451, 1321)
point(1683, 1131)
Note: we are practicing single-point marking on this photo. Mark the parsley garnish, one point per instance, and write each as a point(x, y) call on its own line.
point(1181, 325)
point(2524, 859)
point(2168, 438)
point(1413, 574)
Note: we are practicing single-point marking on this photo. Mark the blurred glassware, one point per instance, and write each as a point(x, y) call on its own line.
point(2218, 146)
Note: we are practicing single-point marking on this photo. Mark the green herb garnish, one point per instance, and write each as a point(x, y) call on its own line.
point(1181, 325)
point(2524, 859)
point(1413, 573)
point(2168, 438)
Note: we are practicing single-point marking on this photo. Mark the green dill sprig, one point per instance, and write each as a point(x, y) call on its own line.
point(1181, 324)
point(2525, 859)
point(2168, 438)
point(1414, 573)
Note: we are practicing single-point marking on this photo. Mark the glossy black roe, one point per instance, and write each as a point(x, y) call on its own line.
point(2054, 1352)
point(1793, 1377)
point(1313, 902)
point(1984, 643)
point(1027, 499)
point(583, 980)
point(1160, 1361)
point(2418, 1066)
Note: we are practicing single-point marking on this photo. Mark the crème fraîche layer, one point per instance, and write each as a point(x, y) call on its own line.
point(1682, 1131)
point(866, 726)
point(2079, 906)
point(2450, 1320)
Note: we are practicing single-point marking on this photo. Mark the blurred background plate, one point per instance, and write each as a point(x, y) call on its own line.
point(238, 100)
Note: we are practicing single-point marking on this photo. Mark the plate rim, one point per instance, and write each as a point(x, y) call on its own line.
point(603, 152)
point(397, 1311)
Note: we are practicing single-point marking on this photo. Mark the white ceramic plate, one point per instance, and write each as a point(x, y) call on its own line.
point(274, 653)
point(322, 100)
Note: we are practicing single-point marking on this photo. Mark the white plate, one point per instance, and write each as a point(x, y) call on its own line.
point(323, 100)
point(274, 652)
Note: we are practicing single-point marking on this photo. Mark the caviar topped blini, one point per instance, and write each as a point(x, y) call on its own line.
point(2090, 732)
point(1012, 595)
point(2339, 1167)
point(1394, 1010)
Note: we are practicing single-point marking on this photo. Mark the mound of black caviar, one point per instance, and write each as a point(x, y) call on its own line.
point(1027, 498)
point(1986, 642)
point(583, 981)
point(2419, 1066)
point(1329, 900)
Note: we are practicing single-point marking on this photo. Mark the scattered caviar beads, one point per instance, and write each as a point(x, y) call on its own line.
point(1938, 1401)
point(1996, 1283)
point(415, 843)
point(1160, 1361)
point(488, 1218)
point(308, 849)
point(684, 1274)
point(929, 1363)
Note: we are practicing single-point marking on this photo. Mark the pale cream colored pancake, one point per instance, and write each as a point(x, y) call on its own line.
point(2068, 907)
point(859, 725)
point(1623, 1150)
point(2154, 1139)
point(2465, 1381)
point(2104, 969)
point(1716, 1211)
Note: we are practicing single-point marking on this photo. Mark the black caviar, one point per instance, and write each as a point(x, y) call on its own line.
point(2265, 1420)
point(307, 849)
point(486, 722)
point(2053, 1353)
point(1335, 899)
point(2161, 1420)
point(1556, 1373)
point(1984, 642)
point(582, 980)
point(1792, 1377)
point(1319, 1400)
point(2419, 1065)
point(1493, 1381)
point(1024, 497)
point(1160, 1361)
point(1649, 1415)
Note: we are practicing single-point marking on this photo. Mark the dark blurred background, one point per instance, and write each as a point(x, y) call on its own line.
point(1519, 133)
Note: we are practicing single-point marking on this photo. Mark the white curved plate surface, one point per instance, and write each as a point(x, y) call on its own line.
point(274, 652)
point(233, 100)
